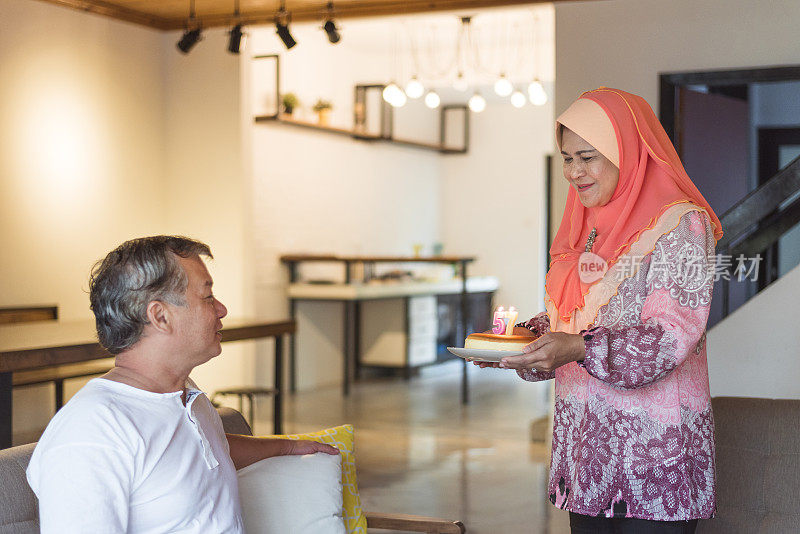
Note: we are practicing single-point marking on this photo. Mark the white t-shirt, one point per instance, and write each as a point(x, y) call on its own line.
point(120, 459)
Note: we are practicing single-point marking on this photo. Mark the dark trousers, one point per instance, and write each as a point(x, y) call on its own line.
point(583, 524)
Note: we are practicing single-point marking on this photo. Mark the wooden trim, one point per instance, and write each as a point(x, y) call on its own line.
point(24, 359)
point(414, 523)
point(356, 134)
point(111, 10)
point(671, 82)
point(224, 16)
point(62, 372)
point(257, 331)
point(28, 314)
point(286, 119)
point(294, 258)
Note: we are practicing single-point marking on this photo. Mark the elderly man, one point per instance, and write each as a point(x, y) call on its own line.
point(141, 449)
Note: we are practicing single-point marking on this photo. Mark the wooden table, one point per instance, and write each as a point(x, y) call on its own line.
point(42, 345)
point(352, 296)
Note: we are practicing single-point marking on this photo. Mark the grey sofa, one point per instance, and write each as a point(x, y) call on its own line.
point(758, 467)
point(19, 513)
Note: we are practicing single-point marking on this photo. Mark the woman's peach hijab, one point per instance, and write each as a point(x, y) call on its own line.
point(651, 179)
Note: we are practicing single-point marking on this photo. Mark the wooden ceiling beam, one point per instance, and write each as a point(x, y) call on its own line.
point(108, 9)
point(343, 10)
point(349, 10)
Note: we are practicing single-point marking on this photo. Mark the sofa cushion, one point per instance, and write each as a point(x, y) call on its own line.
point(19, 513)
point(758, 466)
point(293, 494)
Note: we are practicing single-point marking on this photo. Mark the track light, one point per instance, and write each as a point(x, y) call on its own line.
point(283, 32)
point(190, 36)
point(282, 20)
point(332, 31)
point(235, 42)
point(189, 39)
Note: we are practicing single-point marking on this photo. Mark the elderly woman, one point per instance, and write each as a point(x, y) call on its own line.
point(633, 432)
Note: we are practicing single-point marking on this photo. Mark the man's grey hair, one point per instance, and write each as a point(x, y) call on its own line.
point(131, 276)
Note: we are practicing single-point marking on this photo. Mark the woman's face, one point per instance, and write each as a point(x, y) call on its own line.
point(592, 175)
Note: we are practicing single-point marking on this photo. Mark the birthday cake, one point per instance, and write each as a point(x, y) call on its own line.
point(497, 342)
point(501, 336)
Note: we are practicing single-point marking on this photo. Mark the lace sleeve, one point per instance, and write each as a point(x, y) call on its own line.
point(674, 314)
point(539, 325)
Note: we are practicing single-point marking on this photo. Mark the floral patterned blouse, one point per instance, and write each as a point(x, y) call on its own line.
point(633, 432)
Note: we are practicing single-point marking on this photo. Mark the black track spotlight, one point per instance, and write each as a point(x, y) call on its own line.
point(282, 20)
point(192, 33)
point(332, 31)
point(189, 39)
point(283, 33)
point(235, 42)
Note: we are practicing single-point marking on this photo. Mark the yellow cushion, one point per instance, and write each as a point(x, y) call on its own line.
point(341, 437)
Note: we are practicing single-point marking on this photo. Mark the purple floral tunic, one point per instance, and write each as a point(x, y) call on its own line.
point(633, 432)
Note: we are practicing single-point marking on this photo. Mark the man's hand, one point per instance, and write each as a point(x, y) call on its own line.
point(310, 447)
point(548, 353)
point(246, 450)
point(518, 331)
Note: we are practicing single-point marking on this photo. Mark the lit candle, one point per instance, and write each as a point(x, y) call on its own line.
point(511, 316)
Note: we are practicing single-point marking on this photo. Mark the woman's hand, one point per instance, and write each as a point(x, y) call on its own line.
point(518, 331)
point(547, 353)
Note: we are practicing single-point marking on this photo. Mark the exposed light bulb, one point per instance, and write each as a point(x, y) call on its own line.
point(502, 86)
point(394, 95)
point(518, 99)
point(537, 93)
point(432, 100)
point(461, 83)
point(477, 103)
point(414, 88)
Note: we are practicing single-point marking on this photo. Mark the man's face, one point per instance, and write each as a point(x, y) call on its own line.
point(198, 323)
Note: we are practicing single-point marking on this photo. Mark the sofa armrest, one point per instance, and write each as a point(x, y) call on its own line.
point(233, 422)
point(413, 523)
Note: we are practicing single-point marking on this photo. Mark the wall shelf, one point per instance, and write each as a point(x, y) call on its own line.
point(359, 132)
point(356, 134)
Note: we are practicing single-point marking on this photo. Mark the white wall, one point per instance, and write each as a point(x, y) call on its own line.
point(493, 201)
point(318, 193)
point(81, 158)
point(82, 154)
point(754, 352)
point(207, 186)
point(626, 44)
point(109, 134)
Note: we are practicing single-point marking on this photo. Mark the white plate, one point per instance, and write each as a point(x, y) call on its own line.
point(483, 355)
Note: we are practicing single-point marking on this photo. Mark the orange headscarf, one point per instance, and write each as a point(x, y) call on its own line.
point(651, 179)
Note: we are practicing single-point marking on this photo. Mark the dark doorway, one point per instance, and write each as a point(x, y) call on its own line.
point(714, 148)
point(705, 112)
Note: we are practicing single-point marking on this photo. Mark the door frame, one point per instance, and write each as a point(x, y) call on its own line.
point(671, 82)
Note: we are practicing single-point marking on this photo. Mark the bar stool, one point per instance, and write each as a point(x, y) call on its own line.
point(251, 393)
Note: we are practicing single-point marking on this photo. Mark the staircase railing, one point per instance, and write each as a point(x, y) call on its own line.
point(758, 220)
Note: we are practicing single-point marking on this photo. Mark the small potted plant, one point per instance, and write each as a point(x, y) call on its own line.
point(323, 110)
point(289, 101)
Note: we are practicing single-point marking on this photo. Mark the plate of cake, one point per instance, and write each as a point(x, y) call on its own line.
point(491, 347)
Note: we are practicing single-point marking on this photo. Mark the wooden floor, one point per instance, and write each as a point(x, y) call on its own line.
point(419, 451)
